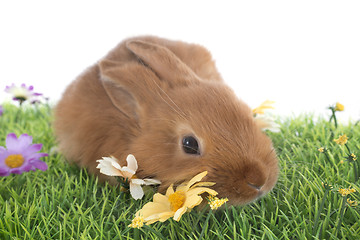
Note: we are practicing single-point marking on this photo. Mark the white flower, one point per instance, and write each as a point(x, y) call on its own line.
point(110, 166)
point(267, 122)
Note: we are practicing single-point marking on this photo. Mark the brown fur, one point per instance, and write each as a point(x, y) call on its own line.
point(148, 93)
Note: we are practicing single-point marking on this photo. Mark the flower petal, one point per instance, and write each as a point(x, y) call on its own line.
point(136, 191)
point(108, 169)
point(11, 142)
point(132, 163)
point(149, 181)
point(4, 172)
point(197, 178)
point(170, 190)
point(165, 216)
point(129, 171)
point(203, 184)
point(179, 213)
point(193, 201)
point(159, 198)
point(137, 181)
point(200, 190)
point(40, 165)
point(153, 208)
point(34, 147)
point(24, 141)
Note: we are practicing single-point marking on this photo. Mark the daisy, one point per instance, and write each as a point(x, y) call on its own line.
point(22, 93)
point(175, 203)
point(20, 155)
point(110, 166)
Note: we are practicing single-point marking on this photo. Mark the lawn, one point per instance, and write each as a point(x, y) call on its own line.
point(64, 202)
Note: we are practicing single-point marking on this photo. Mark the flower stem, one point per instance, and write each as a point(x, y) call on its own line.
point(320, 210)
point(333, 116)
point(342, 211)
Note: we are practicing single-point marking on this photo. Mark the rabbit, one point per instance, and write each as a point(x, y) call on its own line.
point(165, 102)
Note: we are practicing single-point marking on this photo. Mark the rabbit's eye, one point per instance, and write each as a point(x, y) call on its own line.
point(190, 145)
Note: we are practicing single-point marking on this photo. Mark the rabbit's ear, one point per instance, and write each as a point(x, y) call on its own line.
point(163, 62)
point(129, 85)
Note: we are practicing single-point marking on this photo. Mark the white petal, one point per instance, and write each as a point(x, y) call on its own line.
point(110, 171)
point(131, 162)
point(129, 170)
point(136, 191)
point(138, 181)
point(106, 166)
point(149, 181)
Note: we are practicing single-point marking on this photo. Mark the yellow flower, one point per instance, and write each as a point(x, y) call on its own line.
point(342, 140)
point(215, 202)
point(342, 161)
point(346, 191)
point(265, 105)
point(339, 107)
point(137, 222)
point(321, 149)
point(353, 156)
point(176, 203)
point(352, 203)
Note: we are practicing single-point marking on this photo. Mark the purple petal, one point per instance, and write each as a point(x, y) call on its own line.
point(18, 145)
point(37, 156)
point(31, 88)
point(40, 165)
point(4, 172)
point(34, 147)
point(37, 94)
point(26, 167)
point(11, 141)
point(16, 171)
point(2, 150)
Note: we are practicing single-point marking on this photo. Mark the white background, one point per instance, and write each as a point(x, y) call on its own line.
point(305, 55)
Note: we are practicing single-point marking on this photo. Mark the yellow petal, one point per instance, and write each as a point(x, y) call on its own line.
point(159, 198)
point(152, 208)
point(170, 190)
point(193, 201)
point(203, 184)
point(179, 213)
point(165, 216)
point(200, 190)
point(196, 179)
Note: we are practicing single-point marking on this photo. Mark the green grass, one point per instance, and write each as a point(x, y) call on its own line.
point(64, 202)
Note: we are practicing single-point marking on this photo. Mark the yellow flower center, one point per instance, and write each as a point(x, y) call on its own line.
point(14, 160)
point(177, 200)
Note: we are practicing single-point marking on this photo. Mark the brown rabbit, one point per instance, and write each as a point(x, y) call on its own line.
point(164, 102)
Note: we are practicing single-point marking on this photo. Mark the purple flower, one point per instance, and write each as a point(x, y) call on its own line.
point(21, 155)
point(21, 93)
point(1, 110)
